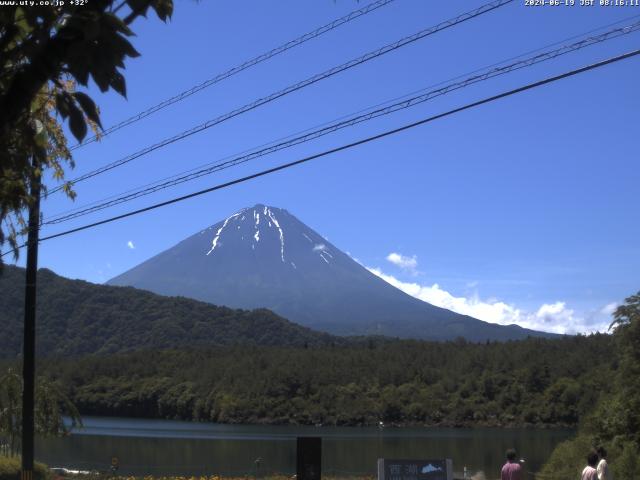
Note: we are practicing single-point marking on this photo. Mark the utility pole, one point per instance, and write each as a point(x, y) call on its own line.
point(29, 349)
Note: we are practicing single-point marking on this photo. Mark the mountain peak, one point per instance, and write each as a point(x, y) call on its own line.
point(249, 226)
point(268, 234)
point(263, 256)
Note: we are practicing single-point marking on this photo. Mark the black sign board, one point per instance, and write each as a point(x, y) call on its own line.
point(309, 458)
point(389, 469)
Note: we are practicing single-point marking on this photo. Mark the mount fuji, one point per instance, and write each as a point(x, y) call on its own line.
point(263, 256)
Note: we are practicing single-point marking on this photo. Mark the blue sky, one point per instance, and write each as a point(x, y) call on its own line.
point(523, 211)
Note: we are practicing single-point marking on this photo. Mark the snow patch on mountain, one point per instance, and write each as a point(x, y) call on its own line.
point(217, 237)
point(260, 214)
point(275, 222)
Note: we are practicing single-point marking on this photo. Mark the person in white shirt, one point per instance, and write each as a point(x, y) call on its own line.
point(603, 468)
point(589, 472)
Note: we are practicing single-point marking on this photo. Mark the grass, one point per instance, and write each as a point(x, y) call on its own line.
point(10, 469)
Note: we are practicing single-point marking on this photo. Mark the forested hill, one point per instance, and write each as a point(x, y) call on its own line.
point(528, 382)
point(76, 317)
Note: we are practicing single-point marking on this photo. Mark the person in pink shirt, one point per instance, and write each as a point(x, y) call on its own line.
point(590, 472)
point(512, 469)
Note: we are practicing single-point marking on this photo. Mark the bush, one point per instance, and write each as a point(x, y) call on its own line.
point(568, 459)
point(627, 464)
point(10, 469)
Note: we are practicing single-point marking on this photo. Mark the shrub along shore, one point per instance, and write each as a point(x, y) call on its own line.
point(614, 420)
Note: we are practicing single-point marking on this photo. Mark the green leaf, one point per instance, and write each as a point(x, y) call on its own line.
point(41, 138)
point(76, 123)
point(61, 105)
point(80, 72)
point(91, 29)
point(163, 8)
point(122, 45)
point(22, 23)
point(79, 61)
point(118, 84)
point(101, 78)
point(115, 23)
point(139, 6)
point(88, 106)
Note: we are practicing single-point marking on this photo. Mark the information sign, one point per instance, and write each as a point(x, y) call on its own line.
point(402, 469)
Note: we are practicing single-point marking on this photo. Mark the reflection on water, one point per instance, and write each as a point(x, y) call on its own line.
point(184, 448)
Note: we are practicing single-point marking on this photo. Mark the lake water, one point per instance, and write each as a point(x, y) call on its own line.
point(164, 447)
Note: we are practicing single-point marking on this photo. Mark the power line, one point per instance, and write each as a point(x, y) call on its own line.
point(239, 68)
point(292, 88)
point(331, 128)
point(344, 117)
point(295, 87)
point(387, 133)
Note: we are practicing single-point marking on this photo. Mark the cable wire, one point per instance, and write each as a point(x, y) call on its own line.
point(407, 95)
point(347, 146)
point(239, 68)
point(343, 117)
point(488, 7)
point(354, 120)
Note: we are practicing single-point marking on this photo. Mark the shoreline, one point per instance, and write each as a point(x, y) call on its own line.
point(389, 425)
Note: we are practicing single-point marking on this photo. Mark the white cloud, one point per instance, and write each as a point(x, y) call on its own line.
point(550, 317)
point(131, 245)
point(406, 263)
point(609, 309)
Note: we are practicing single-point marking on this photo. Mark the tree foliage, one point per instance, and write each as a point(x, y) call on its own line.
point(614, 421)
point(357, 383)
point(51, 404)
point(76, 317)
point(618, 418)
point(45, 50)
point(10, 468)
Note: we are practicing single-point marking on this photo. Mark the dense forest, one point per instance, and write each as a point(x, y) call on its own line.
point(614, 420)
point(530, 382)
point(121, 351)
point(77, 317)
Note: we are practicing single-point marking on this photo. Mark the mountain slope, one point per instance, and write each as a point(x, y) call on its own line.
point(265, 257)
point(76, 317)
